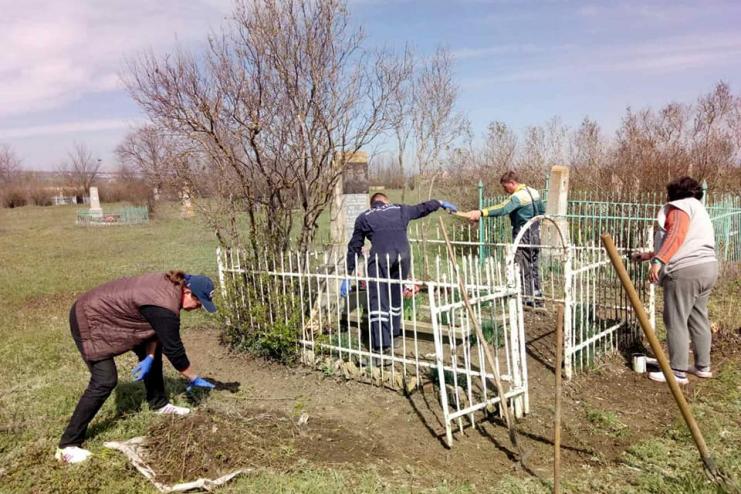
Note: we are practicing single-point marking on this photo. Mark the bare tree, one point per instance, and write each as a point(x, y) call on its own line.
point(148, 150)
point(532, 158)
point(81, 168)
point(650, 148)
point(700, 140)
point(556, 142)
point(436, 122)
point(716, 136)
point(500, 147)
point(401, 114)
point(10, 165)
point(271, 114)
point(383, 170)
point(588, 154)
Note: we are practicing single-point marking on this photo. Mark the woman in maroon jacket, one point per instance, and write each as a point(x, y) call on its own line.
point(139, 314)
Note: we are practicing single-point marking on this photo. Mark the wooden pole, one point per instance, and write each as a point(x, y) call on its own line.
point(482, 341)
point(557, 418)
point(711, 470)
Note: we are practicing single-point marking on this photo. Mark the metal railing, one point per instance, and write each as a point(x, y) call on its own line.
point(598, 317)
point(628, 218)
point(123, 216)
point(429, 335)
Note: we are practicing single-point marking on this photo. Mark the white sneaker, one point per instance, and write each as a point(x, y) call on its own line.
point(171, 409)
point(72, 454)
point(659, 377)
point(705, 373)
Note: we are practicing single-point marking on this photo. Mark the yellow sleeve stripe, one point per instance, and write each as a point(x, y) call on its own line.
point(496, 206)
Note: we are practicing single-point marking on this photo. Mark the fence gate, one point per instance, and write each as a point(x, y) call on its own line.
point(465, 380)
point(598, 317)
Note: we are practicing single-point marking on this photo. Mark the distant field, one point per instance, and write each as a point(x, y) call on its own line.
point(46, 261)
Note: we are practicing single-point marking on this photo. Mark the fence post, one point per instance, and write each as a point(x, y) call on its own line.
point(704, 192)
point(482, 227)
point(568, 341)
point(557, 207)
point(440, 365)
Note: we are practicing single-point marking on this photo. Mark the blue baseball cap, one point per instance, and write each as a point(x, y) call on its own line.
point(203, 288)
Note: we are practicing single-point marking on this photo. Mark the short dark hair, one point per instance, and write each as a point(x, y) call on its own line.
point(378, 195)
point(509, 176)
point(682, 188)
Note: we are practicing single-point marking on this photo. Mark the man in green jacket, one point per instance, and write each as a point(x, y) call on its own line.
point(522, 204)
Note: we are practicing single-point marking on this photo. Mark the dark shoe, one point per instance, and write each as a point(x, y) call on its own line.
point(383, 362)
point(377, 360)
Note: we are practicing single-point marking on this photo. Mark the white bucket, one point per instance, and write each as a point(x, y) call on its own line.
point(639, 363)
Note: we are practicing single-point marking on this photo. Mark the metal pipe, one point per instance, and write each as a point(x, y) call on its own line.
point(557, 418)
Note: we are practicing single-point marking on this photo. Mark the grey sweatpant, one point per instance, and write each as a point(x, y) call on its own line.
point(686, 294)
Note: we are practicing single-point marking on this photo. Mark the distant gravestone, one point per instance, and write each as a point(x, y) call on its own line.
point(95, 209)
point(186, 206)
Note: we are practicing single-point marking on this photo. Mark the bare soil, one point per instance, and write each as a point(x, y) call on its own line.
point(360, 426)
point(215, 442)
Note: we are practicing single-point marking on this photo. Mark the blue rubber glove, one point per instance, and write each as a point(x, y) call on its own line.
point(199, 382)
point(345, 288)
point(449, 207)
point(142, 368)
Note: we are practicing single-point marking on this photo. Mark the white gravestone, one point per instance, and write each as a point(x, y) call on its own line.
point(186, 206)
point(95, 209)
point(350, 200)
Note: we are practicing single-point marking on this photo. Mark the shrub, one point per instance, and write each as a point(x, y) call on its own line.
point(14, 197)
point(39, 196)
point(261, 319)
point(135, 191)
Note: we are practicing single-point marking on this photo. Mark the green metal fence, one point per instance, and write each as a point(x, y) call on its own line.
point(725, 214)
point(629, 219)
point(600, 318)
point(123, 216)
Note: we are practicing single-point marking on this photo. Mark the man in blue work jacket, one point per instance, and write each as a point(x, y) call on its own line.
point(522, 204)
point(385, 225)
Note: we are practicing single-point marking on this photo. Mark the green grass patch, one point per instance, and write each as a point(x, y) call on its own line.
point(606, 421)
point(46, 261)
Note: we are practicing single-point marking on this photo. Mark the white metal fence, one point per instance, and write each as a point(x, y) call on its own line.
point(408, 327)
point(598, 317)
point(430, 335)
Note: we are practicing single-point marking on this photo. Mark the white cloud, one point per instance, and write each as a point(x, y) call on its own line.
point(509, 49)
point(661, 55)
point(658, 13)
point(55, 52)
point(87, 126)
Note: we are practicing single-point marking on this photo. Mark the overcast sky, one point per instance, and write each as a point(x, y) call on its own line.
point(517, 61)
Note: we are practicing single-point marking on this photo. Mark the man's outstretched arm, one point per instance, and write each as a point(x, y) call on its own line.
point(421, 210)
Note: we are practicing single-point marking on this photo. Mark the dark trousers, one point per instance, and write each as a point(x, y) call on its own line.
point(103, 379)
point(527, 259)
point(384, 314)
